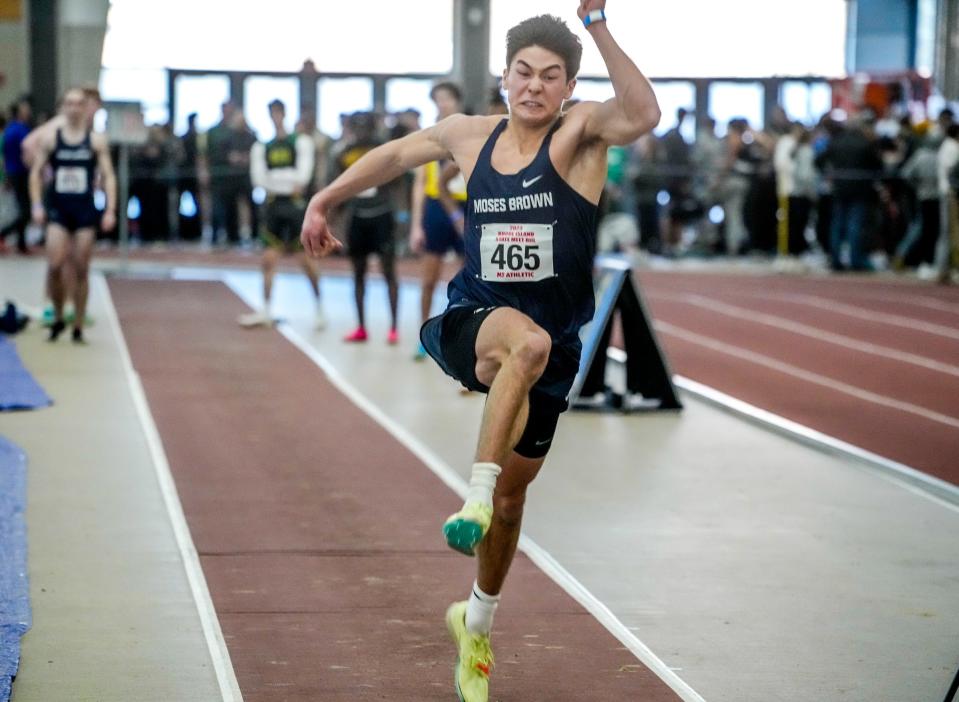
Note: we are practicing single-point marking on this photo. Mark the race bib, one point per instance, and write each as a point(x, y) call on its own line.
point(368, 193)
point(71, 180)
point(513, 253)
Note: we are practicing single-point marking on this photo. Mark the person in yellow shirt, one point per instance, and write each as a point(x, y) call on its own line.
point(439, 197)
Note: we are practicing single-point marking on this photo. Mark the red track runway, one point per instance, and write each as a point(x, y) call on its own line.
point(319, 533)
point(873, 363)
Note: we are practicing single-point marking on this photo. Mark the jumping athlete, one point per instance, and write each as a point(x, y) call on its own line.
point(515, 310)
point(74, 153)
point(439, 193)
point(283, 167)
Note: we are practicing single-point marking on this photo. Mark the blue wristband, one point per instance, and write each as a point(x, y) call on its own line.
point(594, 16)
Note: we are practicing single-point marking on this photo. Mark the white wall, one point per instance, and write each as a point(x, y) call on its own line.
point(82, 26)
point(14, 57)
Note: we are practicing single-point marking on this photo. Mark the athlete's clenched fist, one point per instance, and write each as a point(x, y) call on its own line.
point(316, 236)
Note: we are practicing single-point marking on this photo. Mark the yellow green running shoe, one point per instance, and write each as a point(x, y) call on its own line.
point(465, 529)
point(474, 657)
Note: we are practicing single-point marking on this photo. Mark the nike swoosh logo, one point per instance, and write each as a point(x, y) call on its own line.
point(543, 443)
point(527, 183)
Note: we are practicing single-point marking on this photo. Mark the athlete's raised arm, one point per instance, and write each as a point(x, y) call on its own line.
point(377, 167)
point(634, 110)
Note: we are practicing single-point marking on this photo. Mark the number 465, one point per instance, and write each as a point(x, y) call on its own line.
point(516, 256)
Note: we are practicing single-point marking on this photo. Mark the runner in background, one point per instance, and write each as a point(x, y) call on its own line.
point(283, 167)
point(439, 194)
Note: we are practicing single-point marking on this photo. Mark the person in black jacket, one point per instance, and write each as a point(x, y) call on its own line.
point(853, 164)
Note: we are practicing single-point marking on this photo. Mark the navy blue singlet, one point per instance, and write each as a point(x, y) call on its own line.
point(530, 241)
point(71, 193)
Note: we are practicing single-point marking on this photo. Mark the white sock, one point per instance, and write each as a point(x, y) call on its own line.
point(482, 482)
point(480, 609)
point(266, 307)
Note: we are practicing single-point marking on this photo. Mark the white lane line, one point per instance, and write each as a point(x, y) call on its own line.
point(919, 483)
point(451, 479)
point(219, 655)
point(808, 376)
point(927, 301)
point(536, 553)
point(897, 320)
point(809, 331)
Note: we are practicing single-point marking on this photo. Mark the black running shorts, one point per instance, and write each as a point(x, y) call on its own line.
point(450, 339)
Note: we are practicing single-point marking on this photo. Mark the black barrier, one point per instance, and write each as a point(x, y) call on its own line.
point(647, 372)
point(953, 689)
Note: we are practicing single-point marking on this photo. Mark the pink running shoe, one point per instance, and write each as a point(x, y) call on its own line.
point(393, 338)
point(359, 335)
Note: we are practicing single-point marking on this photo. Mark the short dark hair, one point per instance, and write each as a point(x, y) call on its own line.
point(450, 87)
point(550, 33)
point(277, 103)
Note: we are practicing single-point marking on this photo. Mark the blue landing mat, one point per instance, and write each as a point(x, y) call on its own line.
point(14, 586)
point(18, 389)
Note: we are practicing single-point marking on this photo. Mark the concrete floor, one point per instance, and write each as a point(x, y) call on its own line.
point(757, 568)
point(114, 618)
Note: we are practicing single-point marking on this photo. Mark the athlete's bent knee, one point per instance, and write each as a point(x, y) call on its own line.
point(532, 352)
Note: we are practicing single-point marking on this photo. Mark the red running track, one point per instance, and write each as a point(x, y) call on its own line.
point(874, 363)
point(319, 533)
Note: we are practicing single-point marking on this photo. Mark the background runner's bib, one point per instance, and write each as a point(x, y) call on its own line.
point(71, 180)
point(74, 168)
point(516, 252)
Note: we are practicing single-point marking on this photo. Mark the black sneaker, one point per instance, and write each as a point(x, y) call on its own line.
point(56, 329)
point(78, 336)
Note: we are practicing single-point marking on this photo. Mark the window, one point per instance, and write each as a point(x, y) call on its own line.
point(203, 95)
point(805, 102)
point(259, 92)
point(336, 96)
point(672, 95)
point(146, 86)
point(730, 100)
point(405, 93)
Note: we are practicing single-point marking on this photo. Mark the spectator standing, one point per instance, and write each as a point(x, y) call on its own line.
point(228, 153)
point(921, 173)
point(947, 248)
point(648, 158)
point(794, 198)
point(188, 180)
point(736, 180)
point(761, 205)
point(853, 165)
point(151, 186)
point(321, 150)
point(678, 184)
point(218, 164)
point(17, 172)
